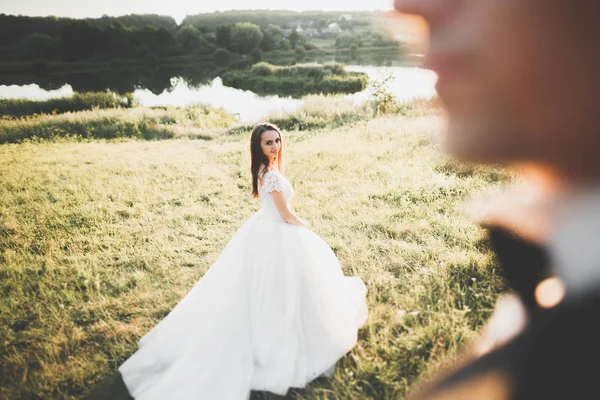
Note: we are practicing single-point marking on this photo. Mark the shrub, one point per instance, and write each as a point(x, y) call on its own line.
point(262, 69)
point(384, 102)
point(300, 53)
point(335, 68)
point(77, 102)
point(256, 55)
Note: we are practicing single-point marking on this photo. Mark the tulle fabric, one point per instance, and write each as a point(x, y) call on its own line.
point(273, 312)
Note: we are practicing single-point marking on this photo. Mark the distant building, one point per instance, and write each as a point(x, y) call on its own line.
point(345, 17)
point(301, 31)
point(309, 32)
point(333, 28)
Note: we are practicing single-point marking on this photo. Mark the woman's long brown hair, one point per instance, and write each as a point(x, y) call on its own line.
point(258, 158)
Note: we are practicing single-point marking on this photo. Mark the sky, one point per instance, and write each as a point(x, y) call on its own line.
point(176, 8)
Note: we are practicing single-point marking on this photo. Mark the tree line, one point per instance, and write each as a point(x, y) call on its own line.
point(150, 37)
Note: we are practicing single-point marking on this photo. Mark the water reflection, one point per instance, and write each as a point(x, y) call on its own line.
point(33, 92)
point(117, 78)
point(247, 105)
point(407, 83)
point(201, 84)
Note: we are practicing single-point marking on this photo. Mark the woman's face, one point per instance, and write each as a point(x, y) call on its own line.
point(270, 142)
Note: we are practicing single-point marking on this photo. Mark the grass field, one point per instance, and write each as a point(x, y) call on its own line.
point(99, 239)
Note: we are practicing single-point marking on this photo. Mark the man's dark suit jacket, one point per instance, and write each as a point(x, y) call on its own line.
point(557, 354)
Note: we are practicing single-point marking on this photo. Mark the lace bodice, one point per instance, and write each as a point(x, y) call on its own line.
point(274, 180)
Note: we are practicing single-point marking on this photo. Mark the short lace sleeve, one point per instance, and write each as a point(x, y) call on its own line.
point(271, 182)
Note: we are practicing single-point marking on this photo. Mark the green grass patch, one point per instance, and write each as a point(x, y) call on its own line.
point(196, 122)
point(316, 112)
point(201, 122)
point(77, 102)
point(297, 80)
point(320, 112)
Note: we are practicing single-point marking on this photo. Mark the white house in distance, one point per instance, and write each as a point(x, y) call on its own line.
point(301, 31)
point(333, 28)
point(309, 32)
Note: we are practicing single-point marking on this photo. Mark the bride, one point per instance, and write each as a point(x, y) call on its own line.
point(273, 312)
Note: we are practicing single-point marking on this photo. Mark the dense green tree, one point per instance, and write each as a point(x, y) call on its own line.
point(286, 19)
point(381, 40)
point(14, 29)
point(153, 36)
point(272, 38)
point(117, 41)
point(223, 36)
point(145, 36)
point(245, 37)
point(137, 21)
point(346, 40)
point(165, 42)
point(78, 39)
point(38, 46)
point(285, 45)
point(300, 53)
point(294, 38)
point(141, 51)
point(256, 55)
point(191, 39)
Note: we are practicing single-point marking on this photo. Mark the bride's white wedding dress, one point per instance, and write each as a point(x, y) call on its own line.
point(273, 312)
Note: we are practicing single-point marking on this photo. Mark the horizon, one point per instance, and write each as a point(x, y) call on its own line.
point(178, 9)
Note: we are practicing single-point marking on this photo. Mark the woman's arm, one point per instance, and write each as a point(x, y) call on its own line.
point(299, 217)
point(286, 212)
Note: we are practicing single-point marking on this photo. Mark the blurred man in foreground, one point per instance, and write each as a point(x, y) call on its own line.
point(520, 80)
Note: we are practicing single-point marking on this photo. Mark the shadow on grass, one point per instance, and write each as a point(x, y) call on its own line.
point(113, 388)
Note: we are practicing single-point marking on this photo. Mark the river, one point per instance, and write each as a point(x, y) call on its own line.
point(407, 83)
